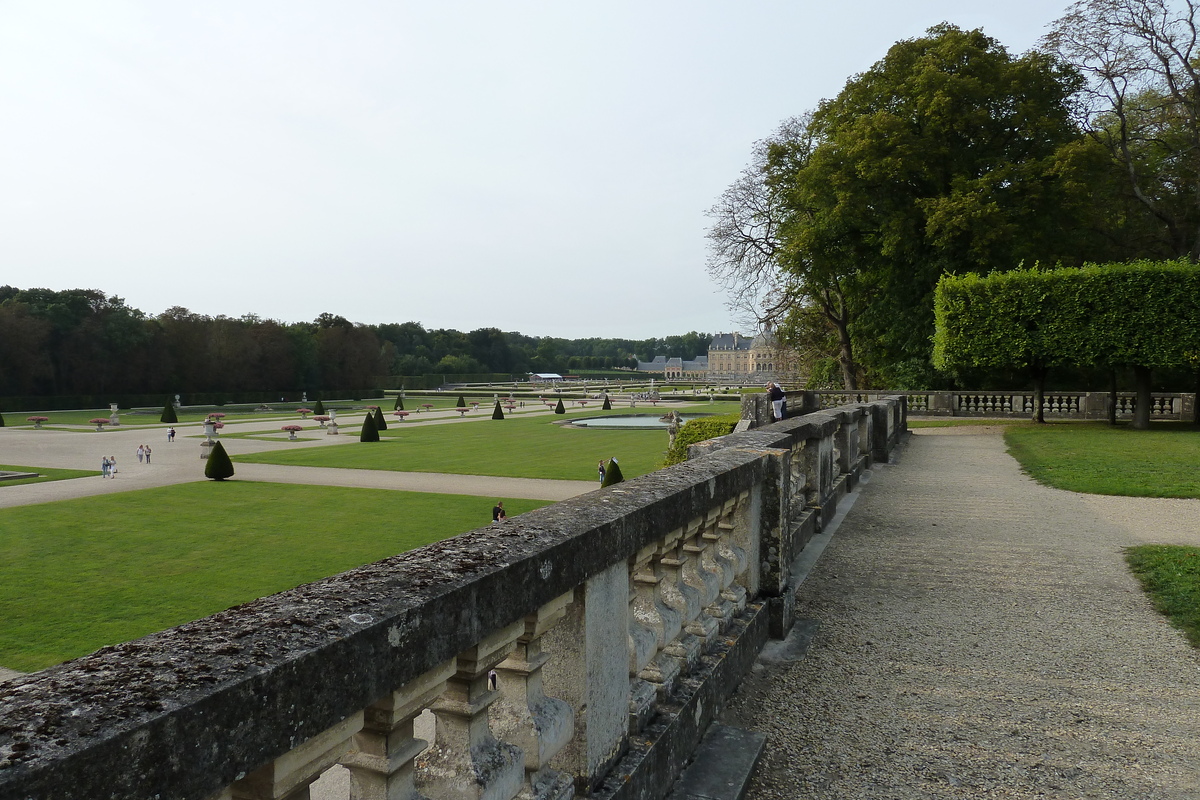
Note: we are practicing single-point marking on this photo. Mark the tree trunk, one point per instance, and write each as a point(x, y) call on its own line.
point(846, 356)
point(1112, 397)
point(1141, 406)
point(1039, 393)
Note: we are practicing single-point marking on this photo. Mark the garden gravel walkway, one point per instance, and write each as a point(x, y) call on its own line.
point(980, 636)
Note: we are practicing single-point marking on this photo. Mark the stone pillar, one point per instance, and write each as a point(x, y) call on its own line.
point(290, 776)
point(541, 726)
point(652, 612)
point(702, 579)
point(590, 671)
point(467, 762)
point(382, 762)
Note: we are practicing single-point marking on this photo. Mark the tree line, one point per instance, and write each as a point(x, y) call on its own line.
point(85, 342)
point(952, 155)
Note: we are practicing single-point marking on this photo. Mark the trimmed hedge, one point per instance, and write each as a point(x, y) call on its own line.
point(612, 473)
point(699, 430)
point(369, 432)
point(1144, 314)
point(559, 409)
point(607, 405)
point(380, 422)
point(168, 414)
point(219, 466)
point(497, 413)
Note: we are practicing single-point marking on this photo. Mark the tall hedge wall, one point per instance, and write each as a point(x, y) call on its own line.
point(1142, 314)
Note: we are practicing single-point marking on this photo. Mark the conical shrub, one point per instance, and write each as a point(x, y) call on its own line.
point(399, 403)
point(612, 473)
point(462, 402)
point(369, 432)
point(607, 405)
point(380, 422)
point(319, 408)
point(496, 412)
point(169, 416)
point(219, 466)
point(559, 409)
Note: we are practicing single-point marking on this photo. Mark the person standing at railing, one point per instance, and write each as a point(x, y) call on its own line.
point(775, 392)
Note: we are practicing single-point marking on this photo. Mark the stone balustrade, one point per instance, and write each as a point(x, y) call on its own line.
point(1165, 406)
point(579, 649)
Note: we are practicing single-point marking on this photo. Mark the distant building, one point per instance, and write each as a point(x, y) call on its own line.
point(733, 358)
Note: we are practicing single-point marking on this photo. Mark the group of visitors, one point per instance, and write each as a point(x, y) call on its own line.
point(108, 467)
point(143, 452)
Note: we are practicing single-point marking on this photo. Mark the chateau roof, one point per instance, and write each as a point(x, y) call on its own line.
point(730, 341)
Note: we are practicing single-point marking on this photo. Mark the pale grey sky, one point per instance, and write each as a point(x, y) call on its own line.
point(534, 166)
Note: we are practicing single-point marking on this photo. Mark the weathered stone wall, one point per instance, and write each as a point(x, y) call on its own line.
point(614, 624)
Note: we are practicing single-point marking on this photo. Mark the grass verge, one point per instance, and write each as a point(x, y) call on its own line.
point(1098, 459)
point(45, 474)
point(1170, 575)
point(80, 574)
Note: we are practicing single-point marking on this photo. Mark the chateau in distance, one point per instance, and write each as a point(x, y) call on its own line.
point(732, 358)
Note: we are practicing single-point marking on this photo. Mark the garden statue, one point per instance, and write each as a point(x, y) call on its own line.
point(113, 417)
point(673, 421)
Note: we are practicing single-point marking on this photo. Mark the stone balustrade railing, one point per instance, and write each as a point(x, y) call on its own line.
point(579, 649)
point(1165, 406)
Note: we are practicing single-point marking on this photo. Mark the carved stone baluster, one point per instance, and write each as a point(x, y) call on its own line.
point(290, 776)
point(714, 563)
point(650, 610)
point(735, 556)
point(643, 645)
point(705, 583)
point(382, 763)
point(466, 760)
point(675, 593)
point(541, 726)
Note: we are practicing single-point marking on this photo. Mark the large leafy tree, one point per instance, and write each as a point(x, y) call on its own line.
point(949, 155)
point(1140, 102)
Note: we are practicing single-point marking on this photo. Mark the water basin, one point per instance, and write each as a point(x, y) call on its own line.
point(631, 421)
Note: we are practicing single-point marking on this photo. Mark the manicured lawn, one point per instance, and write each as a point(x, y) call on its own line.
point(523, 447)
point(1099, 459)
point(45, 473)
point(79, 574)
point(1170, 575)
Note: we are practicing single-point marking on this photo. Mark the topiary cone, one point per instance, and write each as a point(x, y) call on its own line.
point(558, 409)
point(219, 466)
point(369, 432)
point(496, 412)
point(462, 402)
point(169, 416)
point(399, 403)
point(607, 405)
point(380, 422)
point(319, 408)
point(612, 473)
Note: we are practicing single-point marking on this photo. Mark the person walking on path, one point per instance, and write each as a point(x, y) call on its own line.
point(170, 434)
point(112, 466)
point(498, 511)
point(146, 447)
point(105, 466)
point(600, 469)
point(141, 452)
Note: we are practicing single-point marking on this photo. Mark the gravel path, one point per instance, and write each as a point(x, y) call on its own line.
point(981, 637)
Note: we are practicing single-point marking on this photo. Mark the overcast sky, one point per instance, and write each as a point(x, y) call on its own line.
point(535, 166)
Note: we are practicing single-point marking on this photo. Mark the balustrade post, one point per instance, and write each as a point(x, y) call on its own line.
point(657, 609)
point(689, 559)
point(290, 776)
point(382, 765)
point(591, 672)
point(467, 760)
point(541, 726)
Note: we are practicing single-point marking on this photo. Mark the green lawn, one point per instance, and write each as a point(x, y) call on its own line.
point(1170, 575)
point(80, 574)
point(1099, 459)
point(523, 447)
point(45, 474)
